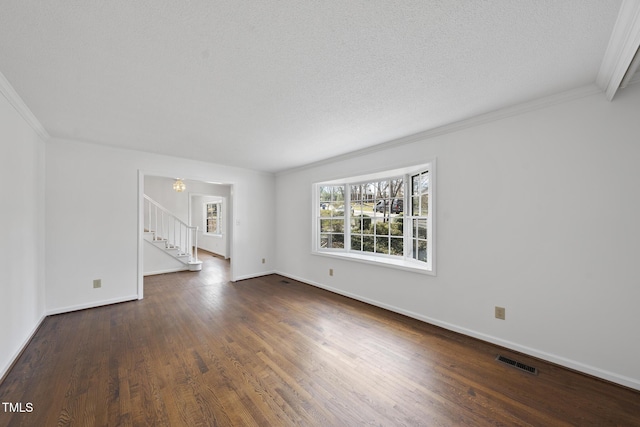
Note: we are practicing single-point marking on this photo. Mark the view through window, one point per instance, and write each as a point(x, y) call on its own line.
point(212, 218)
point(385, 217)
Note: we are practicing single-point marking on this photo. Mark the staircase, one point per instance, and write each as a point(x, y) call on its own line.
point(167, 232)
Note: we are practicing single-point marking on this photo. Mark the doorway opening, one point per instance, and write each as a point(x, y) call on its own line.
point(205, 208)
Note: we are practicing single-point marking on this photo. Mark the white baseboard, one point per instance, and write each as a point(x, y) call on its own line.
point(633, 383)
point(213, 252)
point(254, 275)
point(169, 270)
point(18, 352)
point(91, 305)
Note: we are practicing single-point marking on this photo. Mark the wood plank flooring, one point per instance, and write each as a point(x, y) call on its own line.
point(199, 351)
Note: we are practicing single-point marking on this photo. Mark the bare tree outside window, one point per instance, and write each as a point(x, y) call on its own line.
point(388, 218)
point(212, 218)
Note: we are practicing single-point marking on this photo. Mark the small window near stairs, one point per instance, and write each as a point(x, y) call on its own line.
point(213, 218)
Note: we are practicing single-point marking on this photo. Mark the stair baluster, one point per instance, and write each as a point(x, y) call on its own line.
point(175, 233)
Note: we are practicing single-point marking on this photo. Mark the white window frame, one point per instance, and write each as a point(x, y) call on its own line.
point(205, 228)
point(405, 262)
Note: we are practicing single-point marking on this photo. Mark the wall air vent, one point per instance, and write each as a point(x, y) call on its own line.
point(517, 365)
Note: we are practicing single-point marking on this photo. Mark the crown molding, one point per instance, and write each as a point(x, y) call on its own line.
point(622, 47)
point(492, 116)
point(18, 104)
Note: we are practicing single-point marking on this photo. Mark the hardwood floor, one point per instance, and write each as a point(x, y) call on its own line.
point(199, 350)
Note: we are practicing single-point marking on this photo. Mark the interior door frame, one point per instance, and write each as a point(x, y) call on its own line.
point(230, 229)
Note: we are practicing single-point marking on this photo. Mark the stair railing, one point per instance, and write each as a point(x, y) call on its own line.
point(166, 226)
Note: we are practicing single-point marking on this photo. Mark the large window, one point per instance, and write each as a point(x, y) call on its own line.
point(384, 218)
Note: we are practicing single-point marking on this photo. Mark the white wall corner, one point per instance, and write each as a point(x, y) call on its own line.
point(18, 104)
point(622, 47)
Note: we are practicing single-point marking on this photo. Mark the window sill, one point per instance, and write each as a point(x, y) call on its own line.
point(212, 235)
point(400, 264)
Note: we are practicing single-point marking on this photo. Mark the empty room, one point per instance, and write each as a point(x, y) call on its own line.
point(299, 213)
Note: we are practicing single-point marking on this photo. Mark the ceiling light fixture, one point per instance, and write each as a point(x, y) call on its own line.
point(179, 185)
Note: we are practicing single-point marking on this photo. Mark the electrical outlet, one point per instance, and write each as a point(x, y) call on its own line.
point(97, 283)
point(331, 272)
point(264, 260)
point(500, 313)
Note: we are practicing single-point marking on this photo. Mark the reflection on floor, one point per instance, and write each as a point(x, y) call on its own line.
point(215, 269)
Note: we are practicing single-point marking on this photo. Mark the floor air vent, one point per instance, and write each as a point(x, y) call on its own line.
point(517, 365)
point(284, 281)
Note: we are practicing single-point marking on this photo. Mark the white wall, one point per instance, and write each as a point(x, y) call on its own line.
point(22, 218)
point(199, 192)
point(158, 261)
point(217, 244)
point(538, 213)
point(161, 190)
point(92, 219)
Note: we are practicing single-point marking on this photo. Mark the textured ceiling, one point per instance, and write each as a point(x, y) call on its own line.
point(276, 84)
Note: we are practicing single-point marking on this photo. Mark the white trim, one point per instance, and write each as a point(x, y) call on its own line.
point(379, 260)
point(404, 262)
point(253, 275)
point(635, 79)
point(168, 270)
point(225, 233)
point(230, 230)
point(140, 271)
point(14, 358)
point(491, 116)
point(622, 47)
point(549, 357)
point(631, 73)
point(205, 216)
point(91, 305)
point(18, 104)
